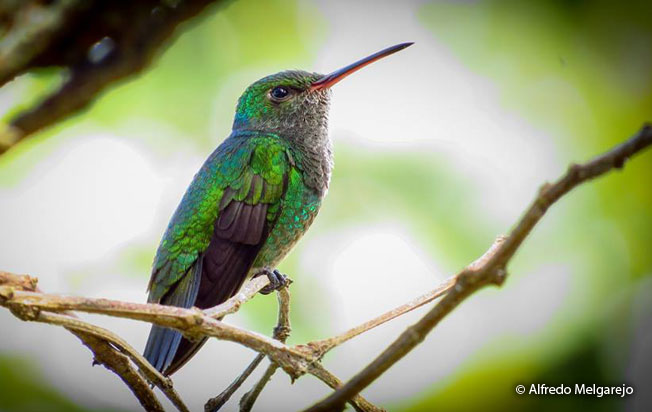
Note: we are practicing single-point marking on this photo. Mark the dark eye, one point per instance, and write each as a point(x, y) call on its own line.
point(279, 93)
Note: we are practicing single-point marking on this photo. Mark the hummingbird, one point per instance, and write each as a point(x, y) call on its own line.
point(249, 203)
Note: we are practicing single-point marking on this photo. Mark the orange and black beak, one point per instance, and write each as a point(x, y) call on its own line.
point(334, 77)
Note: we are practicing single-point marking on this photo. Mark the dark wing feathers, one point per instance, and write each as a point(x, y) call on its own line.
point(237, 239)
point(241, 222)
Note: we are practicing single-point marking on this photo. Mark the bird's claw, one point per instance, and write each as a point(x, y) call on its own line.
point(277, 281)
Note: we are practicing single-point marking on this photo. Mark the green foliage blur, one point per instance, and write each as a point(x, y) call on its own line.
point(23, 390)
point(579, 70)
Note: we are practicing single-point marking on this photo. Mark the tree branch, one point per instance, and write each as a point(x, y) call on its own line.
point(488, 270)
point(89, 333)
point(108, 348)
point(119, 364)
point(193, 322)
point(65, 34)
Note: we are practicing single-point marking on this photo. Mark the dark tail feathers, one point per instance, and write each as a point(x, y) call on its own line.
point(163, 343)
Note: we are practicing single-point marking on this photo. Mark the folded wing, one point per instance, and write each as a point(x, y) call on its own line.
point(246, 213)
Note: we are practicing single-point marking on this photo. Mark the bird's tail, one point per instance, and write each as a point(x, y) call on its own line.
point(163, 343)
point(161, 347)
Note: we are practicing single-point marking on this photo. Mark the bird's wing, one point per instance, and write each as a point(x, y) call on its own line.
point(215, 236)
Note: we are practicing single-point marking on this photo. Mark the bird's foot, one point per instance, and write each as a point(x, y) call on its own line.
point(277, 280)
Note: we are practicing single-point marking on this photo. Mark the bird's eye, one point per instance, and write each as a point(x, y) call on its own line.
point(279, 93)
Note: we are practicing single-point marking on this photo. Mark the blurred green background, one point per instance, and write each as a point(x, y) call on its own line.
point(438, 150)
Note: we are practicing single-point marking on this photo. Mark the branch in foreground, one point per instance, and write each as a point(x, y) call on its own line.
point(490, 269)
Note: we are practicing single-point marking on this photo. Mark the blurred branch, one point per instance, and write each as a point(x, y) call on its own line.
point(96, 42)
point(490, 269)
point(20, 295)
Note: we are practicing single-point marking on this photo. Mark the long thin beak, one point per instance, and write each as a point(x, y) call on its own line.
point(334, 77)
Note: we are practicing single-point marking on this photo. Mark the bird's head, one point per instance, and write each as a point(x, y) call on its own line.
point(294, 103)
point(283, 103)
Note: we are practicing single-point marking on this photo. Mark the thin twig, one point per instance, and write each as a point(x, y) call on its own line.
point(248, 291)
point(214, 404)
point(281, 331)
point(488, 270)
point(321, 347)
point(21, 282)
point(137, 311)
point(248, 399)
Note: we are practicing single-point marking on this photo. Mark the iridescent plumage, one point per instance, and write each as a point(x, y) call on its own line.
point(250, 202)
point(253, 198)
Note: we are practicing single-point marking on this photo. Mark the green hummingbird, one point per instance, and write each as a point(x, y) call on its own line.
point(250, 202)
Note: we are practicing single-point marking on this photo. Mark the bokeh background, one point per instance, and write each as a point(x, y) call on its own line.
point(438, 150)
